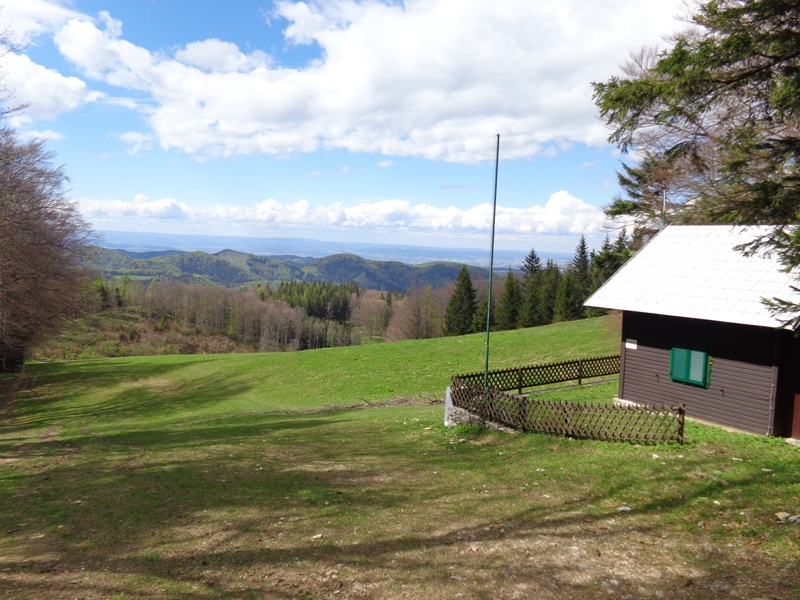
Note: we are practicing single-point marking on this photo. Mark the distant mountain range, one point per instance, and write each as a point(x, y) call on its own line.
point(277, 247)
point(233, 269)
point(209, 260)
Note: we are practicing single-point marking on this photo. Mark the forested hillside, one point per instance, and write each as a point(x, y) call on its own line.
point(230, 268)
point(167, 303)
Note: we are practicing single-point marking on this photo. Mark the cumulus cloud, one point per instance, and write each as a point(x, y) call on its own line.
point(141, 207)
point(46, 92)
point(562, 214)
point(427, 78)
point(216, 55)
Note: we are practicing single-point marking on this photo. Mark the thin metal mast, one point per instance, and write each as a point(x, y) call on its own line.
point(491, 266)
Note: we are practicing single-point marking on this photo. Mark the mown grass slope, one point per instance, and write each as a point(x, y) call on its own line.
point(247, 476)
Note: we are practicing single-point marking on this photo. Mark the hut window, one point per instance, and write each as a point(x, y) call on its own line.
point(690, 366)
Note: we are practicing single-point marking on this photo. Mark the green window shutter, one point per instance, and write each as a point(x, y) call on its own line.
point(690, 366)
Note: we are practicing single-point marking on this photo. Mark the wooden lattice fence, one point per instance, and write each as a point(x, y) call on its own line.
point(532, 376)
point(646, 424)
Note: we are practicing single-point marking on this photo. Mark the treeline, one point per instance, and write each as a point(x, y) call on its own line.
point(543, 294)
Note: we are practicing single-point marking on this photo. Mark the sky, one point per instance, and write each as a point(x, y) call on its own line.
point(338, 120)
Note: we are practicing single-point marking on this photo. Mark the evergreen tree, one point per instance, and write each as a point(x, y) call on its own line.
point(569, 298)
point(621, 244)
point(103, 295)
point(479, 320)
point(460, 311)
point(608, 261)
point(510, 304)
point(532, 265)
point(582, 265)
point(719, 114)
point(530, 313)
point(548, 287)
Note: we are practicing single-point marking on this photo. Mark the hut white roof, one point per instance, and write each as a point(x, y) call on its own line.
point(695, 271)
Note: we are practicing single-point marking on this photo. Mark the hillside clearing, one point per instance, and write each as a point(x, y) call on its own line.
point(237, 476)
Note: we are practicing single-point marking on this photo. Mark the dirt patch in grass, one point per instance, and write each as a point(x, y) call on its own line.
point(546, 554)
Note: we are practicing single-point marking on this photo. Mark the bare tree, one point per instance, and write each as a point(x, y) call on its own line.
point(419, 315)
point(370, 311)
point(43, 240)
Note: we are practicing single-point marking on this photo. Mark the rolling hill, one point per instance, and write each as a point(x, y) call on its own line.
point(231, 268)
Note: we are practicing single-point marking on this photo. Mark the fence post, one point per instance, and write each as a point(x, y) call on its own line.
point(525, 409)
point(519, 381)
point(448, 404)
point(580, 371)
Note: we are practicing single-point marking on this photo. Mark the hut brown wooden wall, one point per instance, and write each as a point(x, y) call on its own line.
point(744, 382)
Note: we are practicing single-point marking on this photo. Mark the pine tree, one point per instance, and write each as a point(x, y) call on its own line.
point(608, 261)
point(103, 295)
point(548, 287)
point(582, 265)
point(569, 298)
point(530, 313)
point(479, 319)
point(510, 304)
point(621, 244)
point(460, 311)
point(532, 265)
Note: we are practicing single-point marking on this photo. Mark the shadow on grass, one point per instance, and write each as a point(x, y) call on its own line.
point(125, 389)
point(230, 506)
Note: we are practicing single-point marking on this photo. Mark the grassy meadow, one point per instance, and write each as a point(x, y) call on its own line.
point(328, 473)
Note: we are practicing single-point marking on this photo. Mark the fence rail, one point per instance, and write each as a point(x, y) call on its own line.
point(645, 424)
point(532, 376)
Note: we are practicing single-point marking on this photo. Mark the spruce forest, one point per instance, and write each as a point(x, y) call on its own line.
point(126, 315)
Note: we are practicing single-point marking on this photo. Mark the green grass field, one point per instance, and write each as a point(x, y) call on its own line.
point(328, 474)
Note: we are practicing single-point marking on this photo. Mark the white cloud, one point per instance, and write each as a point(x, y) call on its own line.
point(140, 208)
point(216, 55)
point(385, 164)
point(28, 19)
point(46, 91)
point(42, 135)
point(136, 141)
point(562, 214)
point(428, 78)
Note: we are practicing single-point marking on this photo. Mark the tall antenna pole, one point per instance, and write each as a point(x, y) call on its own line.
point(491, 266)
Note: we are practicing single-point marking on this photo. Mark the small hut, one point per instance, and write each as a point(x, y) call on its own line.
point(696, 330)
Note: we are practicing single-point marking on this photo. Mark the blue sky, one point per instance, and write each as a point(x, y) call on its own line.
point(338, 120)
